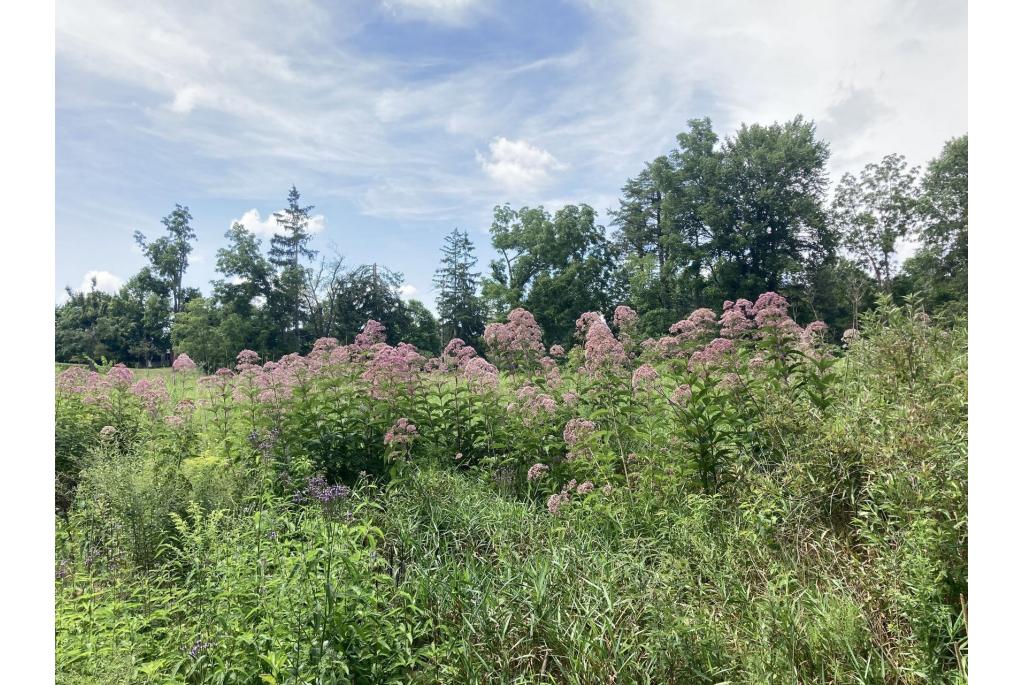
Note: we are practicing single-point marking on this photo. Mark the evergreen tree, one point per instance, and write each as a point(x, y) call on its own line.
point(459, 308)
point(288, 248)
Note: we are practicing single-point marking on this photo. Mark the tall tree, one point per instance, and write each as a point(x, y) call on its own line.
point(874, 211)
point(770, 225)
point(556, 267)
point(939, 269)
point(459, 307)
point(168, 254)
point(288, 249)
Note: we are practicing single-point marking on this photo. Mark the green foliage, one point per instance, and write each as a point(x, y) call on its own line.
point(801, 521)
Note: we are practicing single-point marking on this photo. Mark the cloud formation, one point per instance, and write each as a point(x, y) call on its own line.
point(265, 228)
point(106, 282)
point(518, 166)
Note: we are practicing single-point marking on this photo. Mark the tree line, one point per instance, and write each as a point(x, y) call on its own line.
point(711, 220)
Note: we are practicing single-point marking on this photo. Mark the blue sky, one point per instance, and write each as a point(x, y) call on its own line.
point(402, 119)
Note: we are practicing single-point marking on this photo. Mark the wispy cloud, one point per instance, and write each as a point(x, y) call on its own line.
point(100, 281)
point(241, 98)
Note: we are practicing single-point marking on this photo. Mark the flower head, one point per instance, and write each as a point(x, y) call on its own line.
point(183, 362)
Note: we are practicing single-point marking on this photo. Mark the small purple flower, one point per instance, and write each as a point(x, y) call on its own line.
point(536, 471)
point(198, 647)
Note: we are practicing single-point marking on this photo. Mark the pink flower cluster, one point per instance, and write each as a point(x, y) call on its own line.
point(182, 363)
point(517, 343)
point(392, 369)
point(681, 395)
point(560, 499)
point(644, 378)
point(601, 350)
point(247, 359)
point(152, 393)
point(533, 403)
point(373, 333)
point(624, 318)
point(403, 432)
point(537, 471)
point(711, 354)
point(575, 434)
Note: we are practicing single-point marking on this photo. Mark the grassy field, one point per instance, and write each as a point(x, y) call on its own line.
point(793, 518)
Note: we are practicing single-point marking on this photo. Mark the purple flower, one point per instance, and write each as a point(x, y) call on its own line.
point(585, 488)
point(681, 395)
point(516, 343)
point(198, 647)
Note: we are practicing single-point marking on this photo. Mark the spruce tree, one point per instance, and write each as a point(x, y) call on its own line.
point(288, 247)
point(459, 307)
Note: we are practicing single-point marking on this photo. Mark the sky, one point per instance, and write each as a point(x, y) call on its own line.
point(402, 119)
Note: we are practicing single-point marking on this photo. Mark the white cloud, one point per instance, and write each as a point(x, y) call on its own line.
point(398, 138)
point(518, 166)
point(407, 291)
point(266, 228)
point(106, 282)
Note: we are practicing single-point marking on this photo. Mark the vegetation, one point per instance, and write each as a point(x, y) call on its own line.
point(737, 501)
point(712, 219)
point(589, 467)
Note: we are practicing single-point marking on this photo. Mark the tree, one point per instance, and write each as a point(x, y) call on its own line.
point(459, 308)
point(423, 330)
point(875, 211)
point(168, 255)
point(939, 269)
point(288, 248)
point(769, 226)
point(556, 267)
point(368, 292)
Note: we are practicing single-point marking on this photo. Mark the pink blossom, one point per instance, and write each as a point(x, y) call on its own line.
point(373, 333)
point(729, 381)
point(183, 363)
point(576, 430)
point(702, 318)
point(536, 471)
point(556, 501)
point(516, 343)
point(174, 421)
point(849, 335)
point(712, 353)
point(324, 346)
point(120, 375)
point(152, 393)
point(624, 318)
point(557, 351)
point(684, 330)
point(107, 433)
point(734, 323)
point(246, 359)
point(644, 377)
point(607, 489)
point(601, 350)
point(570, 398)
point(481, 374)
point(401, 433)
point(681, 395)
point(770, 300)
point(392, 368)
point(585, 488)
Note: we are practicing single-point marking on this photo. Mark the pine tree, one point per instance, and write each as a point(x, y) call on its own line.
point(458, 305)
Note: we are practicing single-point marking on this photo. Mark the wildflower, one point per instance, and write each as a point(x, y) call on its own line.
point(556, 501)
point(557, 351)
point(681, 395)
point(481, 374)
point(174, 421)
point(849, 335)
point(198, 647)
point(246, 359)
point(734, 323)
point(373, 332)
point(324, 346)
point(576, 430)
point(607, 489)
point(152, 393)
point(401, 433)
point(317, 488)
point(644, 377)
point(730, 381)
point(712, 353)
point(534, 403)
point(684, 330)
point(570, 398)
point(601, 349)
point(702, 318)
point(625, 320)
point(391, 367)
point(182, 363)
point(516, 343)
point(585, 488)
point(537, 471)
point(120, 375)
point(107, 433)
